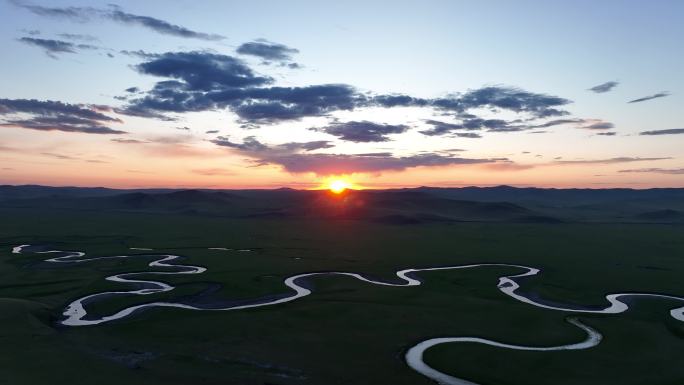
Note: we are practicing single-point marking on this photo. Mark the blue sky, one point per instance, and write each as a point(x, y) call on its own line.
point(422, 49)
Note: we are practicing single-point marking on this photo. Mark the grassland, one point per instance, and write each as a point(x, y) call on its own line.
point(347, 332)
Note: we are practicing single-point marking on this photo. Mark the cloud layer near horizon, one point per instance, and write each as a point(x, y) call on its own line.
point(296, 157)
point(56, 116)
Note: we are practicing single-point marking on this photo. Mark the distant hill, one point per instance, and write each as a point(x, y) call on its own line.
point(661, 215)
point(394, 206)
point(8, 192)
point(559, 197)
point(398, 206)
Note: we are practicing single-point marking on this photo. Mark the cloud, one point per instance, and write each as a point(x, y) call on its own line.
point(671, 131)
point(473, 123)
point(604, 87)
point(507, 165)
point(128, 141)
point(650, 97)
point(622, 159)
point(175, 148)
point(269, 51)
point(138, 54)
point(669, 171)
point(504, 164)
point(558, 122)
point(470, 124)
point(158, 25)
point(210, 82)
point(200, 81)
point(506, 98)
point(69, 157)
point(326, 164)
point(212, 132)
point(398, 100)
point(55, 116)
point(4, 148)
point(607, 133)
point(272, 104)
point(202, 71)
point(597, 124)
point(306, 146)
point(76, 13)
point(440, 128)
point(213, 172)
point(78, 37)
point(54, 47)
point(116, 14)
point(252, 145)
point(297, 157)
point(58, 156)
point(492, 97)
point(471, 135)
point(363, 131)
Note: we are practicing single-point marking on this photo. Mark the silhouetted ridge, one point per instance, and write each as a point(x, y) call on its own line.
point(399, 206)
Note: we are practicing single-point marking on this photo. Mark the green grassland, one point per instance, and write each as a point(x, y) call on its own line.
point(347, 331)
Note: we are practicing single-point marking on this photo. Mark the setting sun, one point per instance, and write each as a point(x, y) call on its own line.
point(338, 186)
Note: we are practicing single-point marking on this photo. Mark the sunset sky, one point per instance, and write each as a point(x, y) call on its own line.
point(265, 94)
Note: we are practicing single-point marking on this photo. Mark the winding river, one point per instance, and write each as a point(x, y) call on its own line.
point(75, 313)
point(414, 356)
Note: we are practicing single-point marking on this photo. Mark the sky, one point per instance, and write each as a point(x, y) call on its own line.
point(384, 94)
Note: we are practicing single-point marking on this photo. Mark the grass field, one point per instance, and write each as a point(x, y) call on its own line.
point(346, 332)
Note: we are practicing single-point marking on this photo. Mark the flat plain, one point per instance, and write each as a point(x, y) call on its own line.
point(347, 331)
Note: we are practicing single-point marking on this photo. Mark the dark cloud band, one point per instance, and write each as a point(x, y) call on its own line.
point(55, 116)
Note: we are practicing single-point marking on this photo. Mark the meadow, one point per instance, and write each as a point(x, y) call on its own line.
point(347, 331)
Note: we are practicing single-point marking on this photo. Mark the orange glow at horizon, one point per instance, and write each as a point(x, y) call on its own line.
point(338, 184)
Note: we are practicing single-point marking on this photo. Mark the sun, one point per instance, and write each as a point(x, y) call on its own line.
point(338, 186)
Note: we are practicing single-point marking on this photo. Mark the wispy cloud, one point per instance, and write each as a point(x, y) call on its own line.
point(650, 97)
point(78, 37)
point(59, 156)
point(617, 160)
point(51, 115)
point(269, 52)
point(597, 124)
point(117, 14)
point(670, 171)
point(54, 47)
point(671, 131)
point(213, 172)
point(128, 141)
point(298, 157)
point(604, 87)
